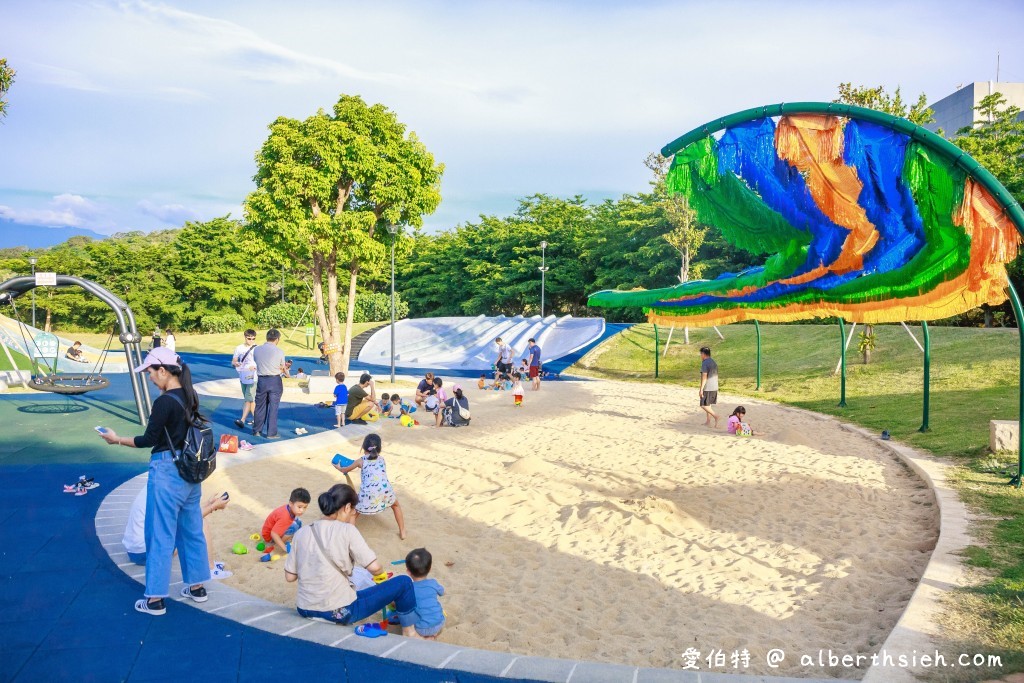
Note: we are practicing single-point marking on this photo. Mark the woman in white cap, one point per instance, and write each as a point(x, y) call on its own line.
point(174, 516)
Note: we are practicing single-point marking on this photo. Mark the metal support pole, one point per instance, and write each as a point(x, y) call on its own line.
point(1019, 314)
point(757, 328)
point(33, 262)
point(842, 363)
point(927, 374)
point(543, 272)
point(655, 351)
point(392, 308)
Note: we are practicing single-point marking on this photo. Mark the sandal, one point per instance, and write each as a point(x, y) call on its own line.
point(370, 631)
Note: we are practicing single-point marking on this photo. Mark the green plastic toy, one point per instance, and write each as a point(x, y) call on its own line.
point(239, 549)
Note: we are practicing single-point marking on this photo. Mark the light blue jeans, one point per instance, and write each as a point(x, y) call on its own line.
point(174, 519)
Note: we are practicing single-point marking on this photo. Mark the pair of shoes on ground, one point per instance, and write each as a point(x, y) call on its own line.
point(219, 572)
point(301, 430)
point(244, 445)
point(157, 607)
point(275, 436)
point(357, 421)
point(82, 486)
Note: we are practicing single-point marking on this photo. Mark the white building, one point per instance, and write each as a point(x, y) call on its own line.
point(956, 111)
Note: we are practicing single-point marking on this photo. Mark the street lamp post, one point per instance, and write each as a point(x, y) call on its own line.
point(32, 261)
point(543, 270)
point(393, 229)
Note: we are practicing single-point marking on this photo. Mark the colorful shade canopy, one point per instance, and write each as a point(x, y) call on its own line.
point(861, 216)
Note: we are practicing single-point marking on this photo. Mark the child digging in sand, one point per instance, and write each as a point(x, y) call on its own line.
point(429, 614)
point(375, 491)
point(737, 425)
point(282, 523)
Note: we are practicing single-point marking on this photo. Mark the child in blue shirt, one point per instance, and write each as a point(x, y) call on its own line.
point(340, 399)
point(429, 614)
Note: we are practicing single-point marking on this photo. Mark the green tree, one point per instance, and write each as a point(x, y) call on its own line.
point(685, 234)
point(327, 187)
point(213, 276)
point(6, 80)
point(996, 141)
point(877, 98)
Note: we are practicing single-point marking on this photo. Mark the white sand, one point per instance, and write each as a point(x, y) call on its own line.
point(586, 525)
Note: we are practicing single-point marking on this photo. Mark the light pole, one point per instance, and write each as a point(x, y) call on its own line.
point(543, 270)
point(32, 261)
point(393, 229)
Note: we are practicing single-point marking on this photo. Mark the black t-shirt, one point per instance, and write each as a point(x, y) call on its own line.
point(166, 413)
point(423, 386)
point(356, 395)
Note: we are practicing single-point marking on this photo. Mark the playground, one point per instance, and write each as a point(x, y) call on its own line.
point(598, 525)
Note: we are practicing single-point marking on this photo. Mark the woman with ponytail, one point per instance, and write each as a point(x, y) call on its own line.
point(322, 559)
point(174, 515)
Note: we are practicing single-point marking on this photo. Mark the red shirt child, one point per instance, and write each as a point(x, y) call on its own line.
point(282, 523)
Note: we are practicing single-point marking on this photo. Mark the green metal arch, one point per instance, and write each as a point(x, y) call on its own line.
point(900, 125)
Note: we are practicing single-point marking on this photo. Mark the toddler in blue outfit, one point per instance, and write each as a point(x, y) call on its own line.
point(429, 614)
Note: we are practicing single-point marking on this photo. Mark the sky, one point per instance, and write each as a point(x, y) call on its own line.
point(141, 115)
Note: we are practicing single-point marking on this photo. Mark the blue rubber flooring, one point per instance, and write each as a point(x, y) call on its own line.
point(67, 612)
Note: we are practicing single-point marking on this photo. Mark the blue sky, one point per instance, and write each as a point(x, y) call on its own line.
point(144, 114)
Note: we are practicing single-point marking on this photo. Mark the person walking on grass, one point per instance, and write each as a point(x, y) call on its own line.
point(708, 386)
point(269, 387)
point(244, 362)
point(174, 517)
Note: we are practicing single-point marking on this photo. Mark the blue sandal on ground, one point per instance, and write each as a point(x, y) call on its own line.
point(370, 631)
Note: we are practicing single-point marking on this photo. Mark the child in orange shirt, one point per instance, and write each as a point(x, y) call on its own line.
point(283, 522)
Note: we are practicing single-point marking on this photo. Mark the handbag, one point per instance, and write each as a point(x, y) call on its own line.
point(228, 443)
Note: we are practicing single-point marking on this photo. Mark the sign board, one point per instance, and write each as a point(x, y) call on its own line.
point(333, 347)
point(310, 330)
point(46, 279)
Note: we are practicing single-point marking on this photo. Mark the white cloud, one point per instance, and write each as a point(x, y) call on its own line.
point(173, 214)
point(70, 210)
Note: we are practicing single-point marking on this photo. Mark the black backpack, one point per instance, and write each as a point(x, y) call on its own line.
point(197, 458)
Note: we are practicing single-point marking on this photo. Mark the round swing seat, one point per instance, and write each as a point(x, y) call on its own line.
point(69, 384)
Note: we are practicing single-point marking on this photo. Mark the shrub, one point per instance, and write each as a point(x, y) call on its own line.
point(223, 322)
point(280, 315)
point(375, 307)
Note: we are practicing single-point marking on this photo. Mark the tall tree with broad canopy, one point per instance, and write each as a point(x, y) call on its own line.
point(326, 190)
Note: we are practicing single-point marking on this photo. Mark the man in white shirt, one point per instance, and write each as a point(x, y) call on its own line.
point(505, 355)
point(269, 387)
point(245, 363)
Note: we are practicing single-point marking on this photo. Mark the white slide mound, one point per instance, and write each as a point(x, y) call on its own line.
point(463, 343)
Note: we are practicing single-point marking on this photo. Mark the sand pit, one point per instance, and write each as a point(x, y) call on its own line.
point(586, 525)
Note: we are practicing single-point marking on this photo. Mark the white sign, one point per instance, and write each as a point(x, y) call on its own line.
point(46, 279)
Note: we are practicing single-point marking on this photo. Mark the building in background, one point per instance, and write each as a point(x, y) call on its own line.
point(956, 111)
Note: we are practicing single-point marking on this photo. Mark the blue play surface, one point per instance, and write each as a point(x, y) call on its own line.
point(66, 611)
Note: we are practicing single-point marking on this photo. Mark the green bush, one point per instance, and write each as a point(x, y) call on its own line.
point(374, 307)
point(224, 322)
point(280, 315)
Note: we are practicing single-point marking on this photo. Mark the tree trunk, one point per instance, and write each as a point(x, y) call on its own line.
point(988, 317)
point(339, 358)
point(326, 334)
point(684, 266)
point(350, 310)
point(869, 331)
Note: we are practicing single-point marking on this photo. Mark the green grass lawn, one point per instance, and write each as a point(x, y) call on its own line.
point(974, 379)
